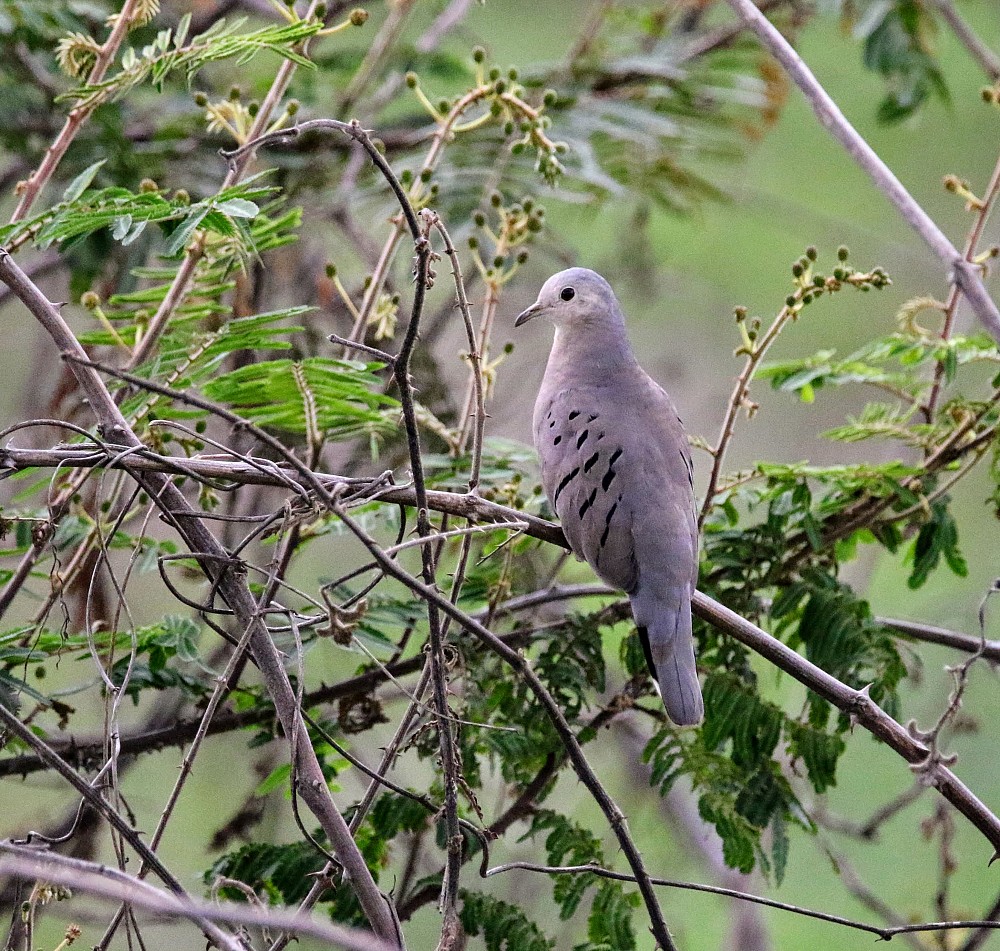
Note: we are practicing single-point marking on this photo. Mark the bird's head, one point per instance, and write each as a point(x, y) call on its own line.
point(572, 298)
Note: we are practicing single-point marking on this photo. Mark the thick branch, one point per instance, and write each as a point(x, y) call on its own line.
point(465, 505)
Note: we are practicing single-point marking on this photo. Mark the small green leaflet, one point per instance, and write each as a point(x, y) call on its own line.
point(343, 397)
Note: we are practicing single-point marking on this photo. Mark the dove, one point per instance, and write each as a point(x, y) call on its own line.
point(617, 470)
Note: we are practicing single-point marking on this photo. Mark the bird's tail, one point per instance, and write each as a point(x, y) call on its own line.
point(668, 643)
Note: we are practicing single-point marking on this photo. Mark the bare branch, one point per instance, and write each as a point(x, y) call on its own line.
point(113, 885)
point(884, 933)
point(961, 272)
point(980, 52)
point(942, 635)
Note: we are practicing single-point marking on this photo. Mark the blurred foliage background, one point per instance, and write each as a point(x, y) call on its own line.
point(694, 195)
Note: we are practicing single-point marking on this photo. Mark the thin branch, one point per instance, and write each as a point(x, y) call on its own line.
point(951, 305)
point(980, 936)
point(401, 370)
point(87, 791)
point(237, 168)
point(266, 472)
point(885, 933)
point(222, 687)
point(86, 750)
point(869, 898)
point(870, 828)
point(755, 353)
point(722, 36)
point(980, 52)
point(965, 275)
point(942, 635)
point(38, 179)
point(854, 702)
point(519, 664)
point(444, 23)
point(110, 884)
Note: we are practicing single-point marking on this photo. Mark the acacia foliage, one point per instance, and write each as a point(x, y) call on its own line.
point(233, 282)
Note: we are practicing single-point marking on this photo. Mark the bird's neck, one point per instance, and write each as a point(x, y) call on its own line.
point(595, 353)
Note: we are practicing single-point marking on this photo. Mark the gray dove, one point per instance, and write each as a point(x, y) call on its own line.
point(617, 469)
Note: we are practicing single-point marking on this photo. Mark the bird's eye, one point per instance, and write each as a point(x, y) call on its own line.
point(567, 293)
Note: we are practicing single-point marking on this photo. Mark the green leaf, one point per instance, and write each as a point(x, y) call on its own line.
point(183, 232)
point(504, 927)
point(938, 536)
point(278, 778)
point(820, 751)
point(780, 845)
point(567, 843)
point(610, 921)
point(337, 398)
point(82, 181)
point(238, 208)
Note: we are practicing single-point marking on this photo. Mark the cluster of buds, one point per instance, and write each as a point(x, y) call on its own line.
point(419, 188)
point(499, 250)
point(507, 104)
point(957, 186)
point(749, 328)
point(235, 117)
point(810, 284)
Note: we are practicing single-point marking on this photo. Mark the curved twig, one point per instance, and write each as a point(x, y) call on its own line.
point(885, 934)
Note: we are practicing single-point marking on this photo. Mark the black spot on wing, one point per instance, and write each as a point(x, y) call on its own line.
point(607, 523)
point(609, 476)
point(592, 417)
point(588, 502)
point(591, 462)
point(567, 479)
point(574, 414)
point(557, 440)
point(583, 438)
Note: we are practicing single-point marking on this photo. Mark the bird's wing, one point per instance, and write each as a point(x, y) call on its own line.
point(616, 468)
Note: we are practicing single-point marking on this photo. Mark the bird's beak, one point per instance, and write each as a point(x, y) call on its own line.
point(526, 315)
